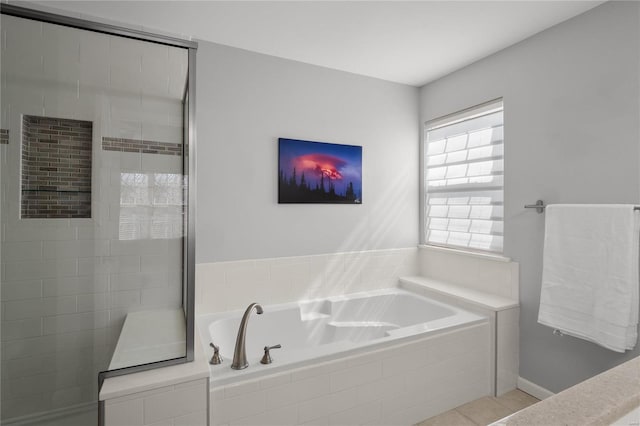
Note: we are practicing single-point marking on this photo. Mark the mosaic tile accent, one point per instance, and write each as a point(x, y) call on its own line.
point(4, 136)
point(56, 168)
point(141, 146)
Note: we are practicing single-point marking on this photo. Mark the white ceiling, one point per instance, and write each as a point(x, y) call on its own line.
point(411, 42)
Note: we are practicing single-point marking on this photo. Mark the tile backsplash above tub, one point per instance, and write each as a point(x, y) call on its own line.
point(491, 274)
point(224, 286)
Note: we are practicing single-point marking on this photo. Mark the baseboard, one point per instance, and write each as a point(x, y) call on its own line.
point(47, 417)
point(533, 389)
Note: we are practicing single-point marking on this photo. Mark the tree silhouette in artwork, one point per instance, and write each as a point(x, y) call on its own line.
point(293, 178)
point(294, 190)
point(350, 194)
point(303, 183)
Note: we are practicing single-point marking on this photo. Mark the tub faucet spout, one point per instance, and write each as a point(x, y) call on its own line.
point(240, 354)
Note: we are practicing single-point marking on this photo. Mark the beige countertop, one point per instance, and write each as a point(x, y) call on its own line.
point(600, 400)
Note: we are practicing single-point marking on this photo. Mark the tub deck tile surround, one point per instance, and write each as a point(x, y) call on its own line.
point(503, 313)
point(359, 390)
point(318, 330)
point(481, 299)
point(405, 398)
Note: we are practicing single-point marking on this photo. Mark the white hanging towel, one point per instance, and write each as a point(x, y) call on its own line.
point(590, 273)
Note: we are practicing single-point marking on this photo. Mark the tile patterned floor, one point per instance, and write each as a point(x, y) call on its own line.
point(483, 411)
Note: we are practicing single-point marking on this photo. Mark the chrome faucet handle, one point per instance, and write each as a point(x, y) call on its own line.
point(215, 359)
point(266, 358)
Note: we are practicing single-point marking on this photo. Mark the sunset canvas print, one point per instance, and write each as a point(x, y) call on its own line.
point(318, 172)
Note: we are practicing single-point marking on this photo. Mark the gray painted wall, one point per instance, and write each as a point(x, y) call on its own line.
point(571, 97)
point(245, 102)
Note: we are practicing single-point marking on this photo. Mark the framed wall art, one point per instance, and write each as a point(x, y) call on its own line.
point(319, 172)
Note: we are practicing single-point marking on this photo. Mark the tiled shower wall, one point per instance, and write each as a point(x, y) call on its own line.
point(67, 284)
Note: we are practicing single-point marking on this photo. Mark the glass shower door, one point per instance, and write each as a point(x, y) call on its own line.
point(92, 213)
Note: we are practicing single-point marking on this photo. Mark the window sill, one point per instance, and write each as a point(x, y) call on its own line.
point(468, 253)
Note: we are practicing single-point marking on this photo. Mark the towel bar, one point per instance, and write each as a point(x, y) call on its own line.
point(539, 206)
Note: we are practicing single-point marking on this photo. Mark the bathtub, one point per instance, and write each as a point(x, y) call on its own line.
point(317, 331)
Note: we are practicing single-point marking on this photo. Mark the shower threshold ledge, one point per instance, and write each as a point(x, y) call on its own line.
point(119, 386)
point(150, 336)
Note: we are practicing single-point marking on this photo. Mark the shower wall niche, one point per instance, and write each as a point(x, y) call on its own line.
point(56, 168)
point(4, 136)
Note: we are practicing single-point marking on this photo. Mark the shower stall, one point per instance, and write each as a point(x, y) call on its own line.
point(96, 140)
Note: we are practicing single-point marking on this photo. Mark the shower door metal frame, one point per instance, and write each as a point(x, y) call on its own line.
point(188, 162)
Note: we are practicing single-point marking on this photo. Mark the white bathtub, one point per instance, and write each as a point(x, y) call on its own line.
point(321, 330)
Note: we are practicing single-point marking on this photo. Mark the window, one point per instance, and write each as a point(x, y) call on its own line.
point(464, 179)
point(151, 206)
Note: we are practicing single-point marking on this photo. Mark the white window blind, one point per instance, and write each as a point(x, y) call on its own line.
point(464, 179)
